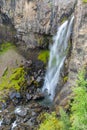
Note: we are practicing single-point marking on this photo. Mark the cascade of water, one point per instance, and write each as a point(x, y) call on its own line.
point(1, 121)
point(57, 57)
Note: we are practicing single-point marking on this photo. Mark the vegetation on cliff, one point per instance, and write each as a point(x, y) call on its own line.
point(5, 47)
point(85, 1)
point(14, 81)
point(76, 119)
point(44, 56)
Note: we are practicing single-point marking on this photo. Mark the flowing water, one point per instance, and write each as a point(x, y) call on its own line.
point(58, 53)
point(1, 121)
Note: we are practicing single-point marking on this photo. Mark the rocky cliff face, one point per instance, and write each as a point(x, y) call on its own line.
point(78, 58)
point(34, 19)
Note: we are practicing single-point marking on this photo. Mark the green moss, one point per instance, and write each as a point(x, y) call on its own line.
point(5, 47)
point(44, 56)
point(15, 81)
point(85, 1)
point(76, 118)
point(18, 78)
point(65, 79)
point(63, 19)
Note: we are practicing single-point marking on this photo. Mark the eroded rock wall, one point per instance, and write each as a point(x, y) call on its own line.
point(36, 17)
point(78, 58)
point(36, 21)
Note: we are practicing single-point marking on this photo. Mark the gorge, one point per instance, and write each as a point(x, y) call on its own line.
point(33, 67)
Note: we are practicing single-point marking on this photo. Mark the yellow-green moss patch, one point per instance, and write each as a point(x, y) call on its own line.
point(5, 47)
point(44, 56)
point(15, 81)
point(85, 1)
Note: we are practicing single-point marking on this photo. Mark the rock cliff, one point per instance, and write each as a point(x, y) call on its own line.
point(34, 19)
point(34, 22)
point(78, 58)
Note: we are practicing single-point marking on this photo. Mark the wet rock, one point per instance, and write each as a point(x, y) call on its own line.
point(1, 122)
point(38, 79)
point(3, 105)
point(18, 95)
point(33, 113)
point(38, 96)
point(14, 125)
point(0, 111)
point(13, 95)
point(28, 96)
point(21, 111)
point(35, 75)
point(15, 101)
point(30, 122)
point(38, 90)
point(28, 64)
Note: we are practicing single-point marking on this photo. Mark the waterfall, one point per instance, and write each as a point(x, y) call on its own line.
point(58, 52)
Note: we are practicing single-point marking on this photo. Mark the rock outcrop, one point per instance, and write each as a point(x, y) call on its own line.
point(35, 20)
point(78, 58)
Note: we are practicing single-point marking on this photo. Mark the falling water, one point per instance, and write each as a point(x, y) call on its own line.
point(58, 52)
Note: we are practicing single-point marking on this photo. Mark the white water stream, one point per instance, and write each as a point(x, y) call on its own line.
point(58, 52)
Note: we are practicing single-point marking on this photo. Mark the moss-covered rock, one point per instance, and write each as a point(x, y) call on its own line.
point(44, 56)
point(63, 19)
point(14, 81)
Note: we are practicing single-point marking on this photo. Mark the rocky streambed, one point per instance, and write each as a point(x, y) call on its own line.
point(21, 117)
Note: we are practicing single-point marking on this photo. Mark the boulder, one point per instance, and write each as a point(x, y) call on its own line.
point(20, 111)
